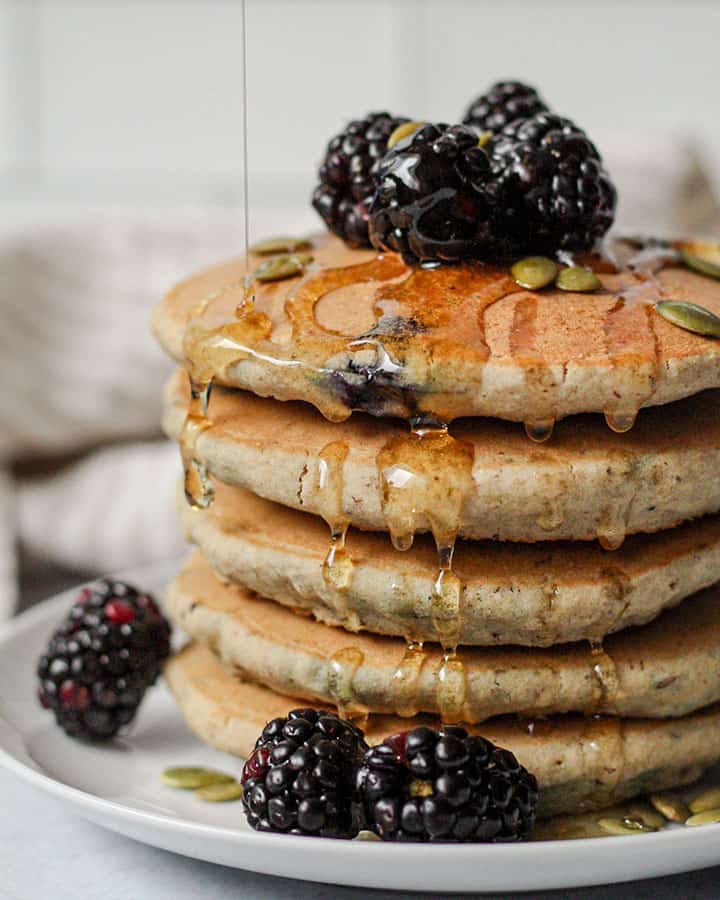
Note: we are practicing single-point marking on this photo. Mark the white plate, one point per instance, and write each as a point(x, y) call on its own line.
point(118, 787)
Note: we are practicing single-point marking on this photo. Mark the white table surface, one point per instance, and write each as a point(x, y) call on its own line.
point(46, 852)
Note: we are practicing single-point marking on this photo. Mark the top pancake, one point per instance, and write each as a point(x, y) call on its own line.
point(360, 331)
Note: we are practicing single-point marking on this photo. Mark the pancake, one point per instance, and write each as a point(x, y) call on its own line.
point(530, 594)
point(579, 763)
point(490, 483)
point(666, 669)
point(361, 331)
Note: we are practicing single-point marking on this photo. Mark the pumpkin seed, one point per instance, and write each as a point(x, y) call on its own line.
point(643, 812)
point(403, 131)
point(189, 778)
point(368, 836)
point(534, 272)
point(224, 792)
point(690, 316)
point(709, 799)
point(421, 789)
point(277, 268)
point(702, 256)
point(484, 138)
point(707, 817)
point(280, 245)
point(624, 826)
point(578, 279)
point(673, 808)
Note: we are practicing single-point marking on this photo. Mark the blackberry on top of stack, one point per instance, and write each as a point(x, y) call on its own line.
point(522, 585)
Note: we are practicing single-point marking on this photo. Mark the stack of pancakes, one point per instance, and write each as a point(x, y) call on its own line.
point(376, 531)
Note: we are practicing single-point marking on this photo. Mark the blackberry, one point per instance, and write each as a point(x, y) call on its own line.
point(427, 785)
point(550, 185)
point(101, 660)
point(432, 202)
point(346, 181)
point(299, 778)
point(505, 102)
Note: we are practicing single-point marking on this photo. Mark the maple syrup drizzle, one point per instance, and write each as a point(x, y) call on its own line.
point(415, 313)
point(329, 488)
point(199, 491)
point(615, 514)
point(617, 594)
point(425, 477)
point(342, 668)
point(631, 339)
point(606, 683)
point(603, 746)
point(451, 687)
point(406, 679)
point(538, 375)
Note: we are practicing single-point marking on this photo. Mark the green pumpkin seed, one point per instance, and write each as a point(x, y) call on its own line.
point(189, 778)
point(707, 817)
point(403, 131)
point(673, 808)
point(643, 812)
point(578, 280)
point(624, 826)
point(277, 268)
point(709, 799)
point(224, 792)
point(534, 272)
point(702, 256)
point(421, 789)
point(690, 316)
point(280, 245)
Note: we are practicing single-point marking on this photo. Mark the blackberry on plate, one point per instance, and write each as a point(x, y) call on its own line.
point(101, 660)
point(432, 202)
point(427, 785)
point(346, 182)
point(505, 102)
point(550, 186)
point(299, 777)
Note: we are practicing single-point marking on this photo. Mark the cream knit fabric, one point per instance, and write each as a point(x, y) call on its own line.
point(79, 370)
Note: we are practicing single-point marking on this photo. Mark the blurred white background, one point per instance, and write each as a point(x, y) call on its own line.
point(121, 171)
point(138, 104)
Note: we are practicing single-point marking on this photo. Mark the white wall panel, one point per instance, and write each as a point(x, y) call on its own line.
point(613, 66)
point(141, 87)
point(117, 101)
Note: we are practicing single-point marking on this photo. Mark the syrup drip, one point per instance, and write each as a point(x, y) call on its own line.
point(605, 678)
point(611, 539)
point(406, 679)
point(425, 478)
point(612, 529)
point(209, 351)
point(603, 746)
point(539, 430)
point(617, 595)
point(446, 600)
point(632, 346)
point(550, 592)
point(620, 422)
point(329, 487)
point(199, 490)
point(451, 687)
point(539, 377)
point(342, 667)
